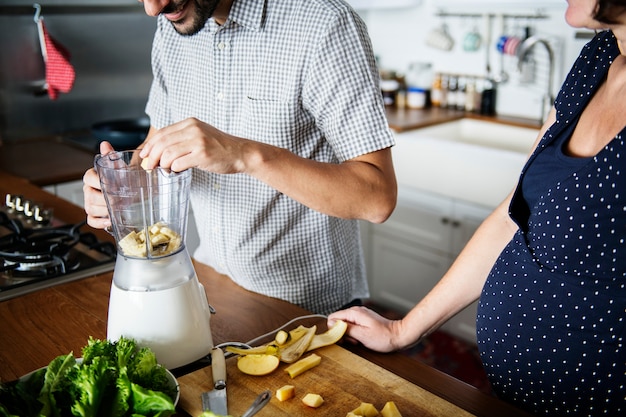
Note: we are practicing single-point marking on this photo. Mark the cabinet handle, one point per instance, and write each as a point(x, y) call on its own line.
point(453, 223)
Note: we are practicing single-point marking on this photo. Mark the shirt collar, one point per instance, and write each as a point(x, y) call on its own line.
point(247, 13)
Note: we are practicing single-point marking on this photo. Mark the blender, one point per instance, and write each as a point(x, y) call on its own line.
point(156, 297)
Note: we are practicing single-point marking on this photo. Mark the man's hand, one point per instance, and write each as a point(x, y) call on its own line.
point(95, 206)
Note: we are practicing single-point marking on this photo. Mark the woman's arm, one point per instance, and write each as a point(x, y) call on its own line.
point(457, 289)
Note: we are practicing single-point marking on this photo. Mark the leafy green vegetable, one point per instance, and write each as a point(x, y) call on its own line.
point(23, 395)
point(115, 379)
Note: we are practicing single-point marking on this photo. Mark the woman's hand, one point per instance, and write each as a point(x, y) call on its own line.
point(369, 328)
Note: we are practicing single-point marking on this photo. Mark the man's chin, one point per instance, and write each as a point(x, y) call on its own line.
point(186, 28)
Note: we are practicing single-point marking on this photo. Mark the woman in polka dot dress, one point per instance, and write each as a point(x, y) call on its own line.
point(549, 264)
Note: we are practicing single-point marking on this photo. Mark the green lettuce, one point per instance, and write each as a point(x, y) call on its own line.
point(114, 379)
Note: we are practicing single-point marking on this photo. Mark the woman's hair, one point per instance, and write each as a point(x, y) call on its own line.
point(607, 10)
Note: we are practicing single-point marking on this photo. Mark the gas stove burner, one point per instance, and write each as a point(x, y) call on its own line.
point(39, 251)
point(38, 267)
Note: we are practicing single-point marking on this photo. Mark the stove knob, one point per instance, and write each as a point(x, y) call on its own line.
point(18, 203)
point(28, 208)
point(9, 201)
point(42, 215)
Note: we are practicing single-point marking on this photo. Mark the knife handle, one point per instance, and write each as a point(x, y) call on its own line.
point(218, 368)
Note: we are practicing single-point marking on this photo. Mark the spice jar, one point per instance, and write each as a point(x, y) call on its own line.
point(416, 98)
point(389, 89)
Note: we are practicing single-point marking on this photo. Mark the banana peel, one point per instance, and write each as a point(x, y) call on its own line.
point(329, 337)
point(299, 341)
point(293, 352)
point(271, 348)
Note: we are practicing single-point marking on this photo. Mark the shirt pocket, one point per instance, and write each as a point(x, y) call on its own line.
point(269, 121)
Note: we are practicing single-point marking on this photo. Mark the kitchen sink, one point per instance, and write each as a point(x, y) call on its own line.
point(468, 159)
point(482, 133)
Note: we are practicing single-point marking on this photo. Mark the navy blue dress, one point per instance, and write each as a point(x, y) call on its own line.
point(550, 321)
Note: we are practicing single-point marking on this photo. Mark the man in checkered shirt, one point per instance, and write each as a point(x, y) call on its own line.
point(275, 105)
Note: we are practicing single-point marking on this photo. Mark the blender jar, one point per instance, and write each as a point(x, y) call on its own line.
point(156, 297)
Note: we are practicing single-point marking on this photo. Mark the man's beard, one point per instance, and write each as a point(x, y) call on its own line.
point(201, 12)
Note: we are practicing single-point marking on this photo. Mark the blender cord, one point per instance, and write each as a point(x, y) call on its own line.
point(251, 343)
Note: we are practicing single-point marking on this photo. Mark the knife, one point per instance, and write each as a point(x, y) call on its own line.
point(215, 400)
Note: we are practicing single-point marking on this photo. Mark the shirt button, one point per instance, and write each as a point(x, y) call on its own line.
point(217, 186)
point(222, 45)
point(220, 95)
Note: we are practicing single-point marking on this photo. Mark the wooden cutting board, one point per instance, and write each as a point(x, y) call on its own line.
point(343, 379)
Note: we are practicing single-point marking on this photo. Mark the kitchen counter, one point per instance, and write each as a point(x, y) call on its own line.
point(45, 160)
point(37, 327)
point(403, 120)
point(57, 159)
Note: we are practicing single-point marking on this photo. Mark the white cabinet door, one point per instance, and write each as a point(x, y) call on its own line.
point(408, 254)
point(467, 217)
point(425, 217)
point(403, 272)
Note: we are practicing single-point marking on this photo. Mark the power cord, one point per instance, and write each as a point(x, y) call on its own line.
point(252, 342)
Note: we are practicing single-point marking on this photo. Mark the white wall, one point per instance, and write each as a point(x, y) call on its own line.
point(398, 36)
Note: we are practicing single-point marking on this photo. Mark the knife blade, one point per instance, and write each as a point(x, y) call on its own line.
point(215, 400)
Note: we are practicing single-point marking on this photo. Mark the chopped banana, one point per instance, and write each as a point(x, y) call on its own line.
point(281, 337)
point(390, 410)
point(286, 392)
point(162, 241)
point(303, 365)
point(365, 410)
point(313, 400)
point(131, 246)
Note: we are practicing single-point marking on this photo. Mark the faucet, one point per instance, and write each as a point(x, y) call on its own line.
point(526, 46)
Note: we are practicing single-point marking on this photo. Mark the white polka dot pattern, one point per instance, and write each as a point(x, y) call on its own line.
point(551, 318)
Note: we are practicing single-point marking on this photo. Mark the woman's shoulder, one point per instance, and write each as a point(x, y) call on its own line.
point(587, 72)
point(598, 53)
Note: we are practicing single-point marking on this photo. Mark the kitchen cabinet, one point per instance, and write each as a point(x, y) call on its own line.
point(410, 252)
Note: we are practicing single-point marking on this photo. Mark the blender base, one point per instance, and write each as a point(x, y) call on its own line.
point(174, 322)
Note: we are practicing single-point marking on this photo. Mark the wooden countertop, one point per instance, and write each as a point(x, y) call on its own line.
point(37, 327)
point(402, 120)
point(45, 161)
